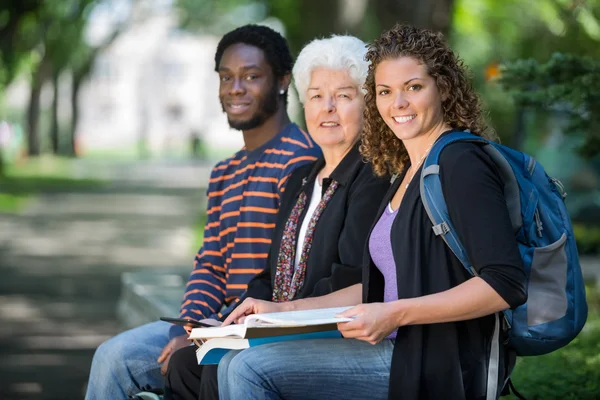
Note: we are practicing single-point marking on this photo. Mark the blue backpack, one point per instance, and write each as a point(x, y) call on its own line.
point(556, 308)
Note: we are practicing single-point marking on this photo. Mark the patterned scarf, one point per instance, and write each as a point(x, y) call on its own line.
point(287, 283)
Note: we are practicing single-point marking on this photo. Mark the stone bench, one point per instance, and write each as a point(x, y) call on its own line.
point(148, 295)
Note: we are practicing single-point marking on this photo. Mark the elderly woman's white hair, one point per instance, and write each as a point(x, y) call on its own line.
point(337, 52)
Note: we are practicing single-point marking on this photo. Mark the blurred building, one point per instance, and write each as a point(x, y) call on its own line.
point(153, 89)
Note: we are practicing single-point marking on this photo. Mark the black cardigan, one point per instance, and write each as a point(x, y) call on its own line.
point(449, 360)
point(335, 259)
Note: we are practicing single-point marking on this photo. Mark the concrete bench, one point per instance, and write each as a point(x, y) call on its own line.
point(148, 295)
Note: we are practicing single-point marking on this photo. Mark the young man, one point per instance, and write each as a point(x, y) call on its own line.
point(254, 66)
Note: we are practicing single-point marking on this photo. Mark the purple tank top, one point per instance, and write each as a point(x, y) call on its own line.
point(380, 247)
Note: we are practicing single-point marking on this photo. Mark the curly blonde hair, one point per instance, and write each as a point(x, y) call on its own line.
point(461, 105)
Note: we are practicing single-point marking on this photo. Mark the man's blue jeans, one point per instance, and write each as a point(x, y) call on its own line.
point(307, 369)
point(126, 364)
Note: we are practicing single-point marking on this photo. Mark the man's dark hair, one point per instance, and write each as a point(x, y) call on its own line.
point(275, 47)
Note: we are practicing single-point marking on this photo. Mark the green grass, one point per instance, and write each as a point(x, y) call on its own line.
point(572, 372)
point(12, 203)
point(25, 180)
point(32, 185)
point(42, 166)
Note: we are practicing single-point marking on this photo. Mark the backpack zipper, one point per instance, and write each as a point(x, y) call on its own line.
point(531, 166)
point(538, 222)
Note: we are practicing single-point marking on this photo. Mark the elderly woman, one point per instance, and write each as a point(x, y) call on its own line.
point(327, 208)
point(426, 329)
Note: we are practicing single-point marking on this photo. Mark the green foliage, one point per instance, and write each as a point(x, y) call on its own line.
point(572, 372)
point(488, 32)
point(17, 21)
point(588, 238)
point(567, 83)
point(62, 25)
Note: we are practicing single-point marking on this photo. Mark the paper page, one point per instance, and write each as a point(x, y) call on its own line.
point(218, 331)
point(298, 318)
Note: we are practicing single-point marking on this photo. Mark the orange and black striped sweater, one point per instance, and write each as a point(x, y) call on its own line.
point(243, 199)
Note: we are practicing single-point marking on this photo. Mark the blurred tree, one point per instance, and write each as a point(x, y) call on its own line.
point(55, 31)
point(59, 27)
point(307, 19)
point(432, 14)
point(566, 83)
point(488, 33)
point(63, 42)
point(16, 40)
point(82, 64)
point(14, 49)
point(15, 17)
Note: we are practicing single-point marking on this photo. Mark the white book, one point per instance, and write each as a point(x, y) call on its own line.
point(276, 324)
point(259, 329)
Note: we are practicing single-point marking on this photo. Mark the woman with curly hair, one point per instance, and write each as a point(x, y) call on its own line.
point(426, 329)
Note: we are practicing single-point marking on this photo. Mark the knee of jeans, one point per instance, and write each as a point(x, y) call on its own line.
point(110, 354)
point(224, 366)
point(242, 366)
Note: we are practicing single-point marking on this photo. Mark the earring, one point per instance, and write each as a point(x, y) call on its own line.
point(282, 91)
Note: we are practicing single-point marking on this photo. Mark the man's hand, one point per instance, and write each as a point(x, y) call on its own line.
point(372, 322)
point(252, 306)
point(175, 344)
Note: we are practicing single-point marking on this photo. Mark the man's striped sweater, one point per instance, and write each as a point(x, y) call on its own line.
point(243, 199)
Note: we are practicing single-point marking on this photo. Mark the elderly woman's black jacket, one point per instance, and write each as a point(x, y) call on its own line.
point(335, 259)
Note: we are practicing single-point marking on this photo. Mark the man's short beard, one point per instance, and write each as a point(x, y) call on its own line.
point(267, 107)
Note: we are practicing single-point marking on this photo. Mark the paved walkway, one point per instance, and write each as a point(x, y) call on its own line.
point(61, 262)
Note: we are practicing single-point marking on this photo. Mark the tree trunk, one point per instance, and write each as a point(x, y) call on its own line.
point(54, 129)
point(518, 138)
point(432, 14)
point(75, 86)
point(33, 112)
point(80, 73)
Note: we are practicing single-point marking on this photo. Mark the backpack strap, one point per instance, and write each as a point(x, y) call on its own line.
point(433, 197)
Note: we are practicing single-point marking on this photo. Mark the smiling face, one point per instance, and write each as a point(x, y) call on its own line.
point(333, 108)
point(407, 98)
point(248, 89)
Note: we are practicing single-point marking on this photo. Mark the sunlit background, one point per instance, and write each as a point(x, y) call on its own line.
point(110, 122)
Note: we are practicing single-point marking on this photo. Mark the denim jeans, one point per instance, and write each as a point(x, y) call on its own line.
point(126, 364)
point(307, 369)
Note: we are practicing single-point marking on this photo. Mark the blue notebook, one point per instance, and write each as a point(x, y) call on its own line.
point(213, 350)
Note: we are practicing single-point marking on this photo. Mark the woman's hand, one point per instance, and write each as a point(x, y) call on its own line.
point(372, 322)
point(252, 306)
